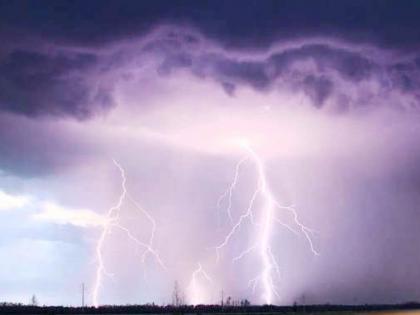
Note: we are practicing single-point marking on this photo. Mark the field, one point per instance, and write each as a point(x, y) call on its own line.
point(404, 309)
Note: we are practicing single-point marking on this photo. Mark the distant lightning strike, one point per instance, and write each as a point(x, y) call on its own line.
point(112, 221)
point(111, 216)
point(268, 216)
point(196, 294)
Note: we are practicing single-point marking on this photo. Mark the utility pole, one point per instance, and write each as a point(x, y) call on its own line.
point(223, 299)
point(83, 295)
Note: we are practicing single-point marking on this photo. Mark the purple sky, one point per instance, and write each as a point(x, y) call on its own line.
point(332, 118)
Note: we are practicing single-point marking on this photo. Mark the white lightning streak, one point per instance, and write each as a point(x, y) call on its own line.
point(268, 208)
point(286, 226)
point(195, 290)
point(247, 214)
point(153, 231)
point(100, 270)
point(305, 230)
point(142, 244)
point(229, 192)
point(244, 253)
point(111, 221)
point(267, 258)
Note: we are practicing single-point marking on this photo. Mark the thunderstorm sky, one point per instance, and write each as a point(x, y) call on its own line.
point(324, 95)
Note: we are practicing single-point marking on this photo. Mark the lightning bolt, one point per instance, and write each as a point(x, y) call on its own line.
point(269, 208)
point(112, 221)
point(229, 192)
point(196, 295)
point(149, 246)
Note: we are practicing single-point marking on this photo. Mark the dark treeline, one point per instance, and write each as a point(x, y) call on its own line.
point(7, 308)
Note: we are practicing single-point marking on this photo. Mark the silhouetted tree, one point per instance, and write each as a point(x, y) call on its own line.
point(177, 295)
point(245, 303)
point(34, 300)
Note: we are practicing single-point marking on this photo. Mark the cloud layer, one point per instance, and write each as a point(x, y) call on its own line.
point(71, 81)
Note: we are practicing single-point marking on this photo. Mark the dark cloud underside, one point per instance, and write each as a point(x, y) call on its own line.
point(249, 23)
point(35, 82)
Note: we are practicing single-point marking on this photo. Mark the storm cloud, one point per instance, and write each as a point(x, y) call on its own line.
point(67, 81)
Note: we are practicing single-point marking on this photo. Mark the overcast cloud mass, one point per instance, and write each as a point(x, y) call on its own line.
point(326, 94)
